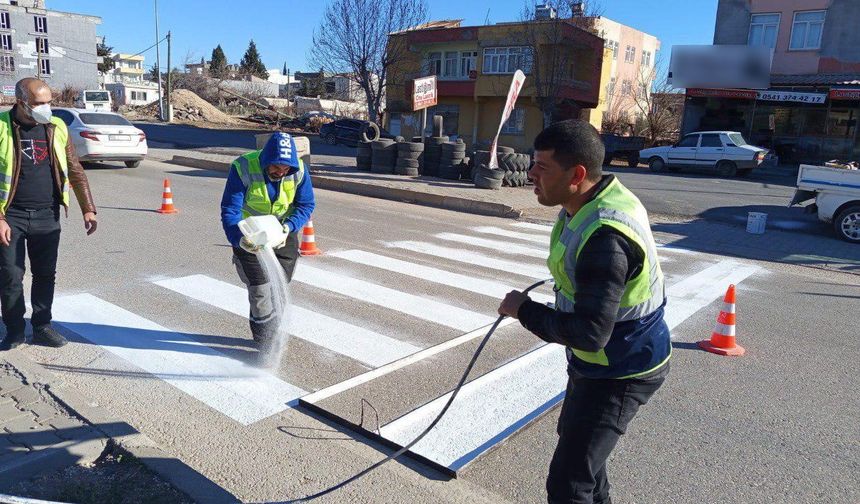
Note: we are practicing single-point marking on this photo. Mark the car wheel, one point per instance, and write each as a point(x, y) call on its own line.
point(331, 139)
point(656, 165)
point(847, 224)
point(727, 168)
point(132, 164)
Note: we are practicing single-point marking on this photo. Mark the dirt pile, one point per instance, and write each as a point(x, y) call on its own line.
point(189, 107)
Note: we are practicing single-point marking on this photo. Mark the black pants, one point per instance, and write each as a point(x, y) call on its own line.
point(259, 289)
point(594, 415)
point(35, 233)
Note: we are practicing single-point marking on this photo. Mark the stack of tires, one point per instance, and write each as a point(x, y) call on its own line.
point(408, 155)
point(383, 156)
point(363, 156)
point(516, 167)
point(488, 178)
point(433, 155)
point(452, 157)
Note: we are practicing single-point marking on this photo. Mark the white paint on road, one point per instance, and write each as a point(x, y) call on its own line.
point(241, 392)
point(340, 337)
point(473, 258)
point(435, 275)
point(533, 226)
point(507, 233)
point(392, 299)
point(492, 407)
point(499, 246)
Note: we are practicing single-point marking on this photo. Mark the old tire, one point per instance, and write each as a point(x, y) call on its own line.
point(847, 224)
point(399, 139)
point(407, 163)
point(406, 171)
point(132, 164)
point(487, 183)
point(374, 130)
point(485, 171)
point(501, 148)
point(410, 147)
point(727, 168)
point(656, 165)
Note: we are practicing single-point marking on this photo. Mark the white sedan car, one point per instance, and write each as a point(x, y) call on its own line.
point(104, 136)
point(724, 151)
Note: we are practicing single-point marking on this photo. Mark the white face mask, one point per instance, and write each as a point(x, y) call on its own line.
point(41, 113)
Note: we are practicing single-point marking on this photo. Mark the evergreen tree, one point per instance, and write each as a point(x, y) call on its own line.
point(104, 51)
point(251, 63)
point(285, 71)
point(218, 65)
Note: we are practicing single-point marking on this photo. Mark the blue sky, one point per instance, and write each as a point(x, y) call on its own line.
point(282, 29)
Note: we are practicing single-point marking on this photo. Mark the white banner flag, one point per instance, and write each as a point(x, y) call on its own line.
point(513, 93)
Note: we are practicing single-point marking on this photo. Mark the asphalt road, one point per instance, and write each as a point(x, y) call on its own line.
point(155, 311)
point(683, 195)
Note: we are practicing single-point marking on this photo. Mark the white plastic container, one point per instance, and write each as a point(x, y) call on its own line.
point(756, 222)
point(262, 230)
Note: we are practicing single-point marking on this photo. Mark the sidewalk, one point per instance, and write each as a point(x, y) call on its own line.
point(47, 427)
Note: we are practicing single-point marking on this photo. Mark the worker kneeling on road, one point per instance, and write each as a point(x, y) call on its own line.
point(271, 181)
point(608, 311)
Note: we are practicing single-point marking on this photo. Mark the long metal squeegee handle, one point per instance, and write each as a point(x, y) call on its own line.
point(435, 420)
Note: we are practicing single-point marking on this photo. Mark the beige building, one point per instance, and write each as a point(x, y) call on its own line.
point(126, 83)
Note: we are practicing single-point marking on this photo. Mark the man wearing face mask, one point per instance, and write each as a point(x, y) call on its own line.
point(271, 181)
point(38, 164)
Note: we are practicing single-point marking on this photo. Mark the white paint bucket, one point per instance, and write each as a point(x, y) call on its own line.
point(756, 222)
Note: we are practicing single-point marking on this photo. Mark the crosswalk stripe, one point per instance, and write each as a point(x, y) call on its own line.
point(540, 239)
point(504, 247)
point(338, 336)
point(243, 393)
point(497, 404)
point(410, 304)
point(473, 258)
point(533, 226)
point(435, 275)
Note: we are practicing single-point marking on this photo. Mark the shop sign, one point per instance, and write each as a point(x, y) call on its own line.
point(743, 94)
point(8, 90)
point(845, 94)
point(792, 96)
point(424, 93)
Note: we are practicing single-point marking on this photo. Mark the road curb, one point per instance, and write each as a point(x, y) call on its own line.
point(148, 452)
point(442, 201)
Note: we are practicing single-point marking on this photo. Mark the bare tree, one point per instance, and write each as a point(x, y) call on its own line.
point(658, 106)
point(552, 60)
point(353, 37)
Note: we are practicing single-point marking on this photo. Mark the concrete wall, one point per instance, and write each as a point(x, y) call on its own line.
point(71, 46)
point(840, 41)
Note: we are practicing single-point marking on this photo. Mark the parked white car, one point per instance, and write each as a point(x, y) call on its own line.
point(724, 151)
point(104, 136)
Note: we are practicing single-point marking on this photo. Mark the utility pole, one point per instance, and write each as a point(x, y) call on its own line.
point(158, 64)
point(169, 113)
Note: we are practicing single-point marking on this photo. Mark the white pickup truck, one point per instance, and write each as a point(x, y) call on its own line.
point(837, 197)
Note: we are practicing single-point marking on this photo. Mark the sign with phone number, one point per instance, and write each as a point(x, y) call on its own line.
point(791, 96)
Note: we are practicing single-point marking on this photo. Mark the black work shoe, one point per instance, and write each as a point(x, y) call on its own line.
point(11, 341)
point(48, 336)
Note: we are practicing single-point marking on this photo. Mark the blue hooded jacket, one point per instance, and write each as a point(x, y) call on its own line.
point(280, 149)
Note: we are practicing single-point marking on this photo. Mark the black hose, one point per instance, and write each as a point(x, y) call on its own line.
point(434, 422)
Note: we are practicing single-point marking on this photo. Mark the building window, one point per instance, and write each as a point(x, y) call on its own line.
point(614, 50)
point(41, 24)
point(44, 67)
point(450, 119)
point(643, 90)
point(806, 30)
point(646, 59)
point(507, 60)
point(4, 20)
point(138, 95)
point(450, 67)
point(434, 63)
point(7, 63)
point(468, 62)
point(515, 125)
point(626, 87)
point(611, 90)
point(763, 30)
point(41, 45)
point(6, 42)
point(630, 54)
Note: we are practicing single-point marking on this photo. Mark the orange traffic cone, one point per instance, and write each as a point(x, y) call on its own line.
point(308, 247)
point(167, 200)
point(722, 340)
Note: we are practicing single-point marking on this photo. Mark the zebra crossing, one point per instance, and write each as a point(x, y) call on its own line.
point(470, 270)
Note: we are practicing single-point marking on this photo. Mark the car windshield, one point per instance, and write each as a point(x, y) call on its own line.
point(97, 96)
point(737, 139)
point(104, 120)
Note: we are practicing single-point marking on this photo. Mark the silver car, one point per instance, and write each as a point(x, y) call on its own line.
point(725, 152)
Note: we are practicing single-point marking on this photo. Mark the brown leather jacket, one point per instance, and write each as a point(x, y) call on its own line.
point(77, 177)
